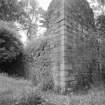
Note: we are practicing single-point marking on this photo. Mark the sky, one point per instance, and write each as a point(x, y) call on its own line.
point(44, 3)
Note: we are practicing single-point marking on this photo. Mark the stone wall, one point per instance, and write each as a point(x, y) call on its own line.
point(78, 24)
point(69, 21)
point(56, 35)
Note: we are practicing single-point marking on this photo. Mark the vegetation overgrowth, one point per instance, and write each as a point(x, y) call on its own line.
point(22, 92)
point(39, 90)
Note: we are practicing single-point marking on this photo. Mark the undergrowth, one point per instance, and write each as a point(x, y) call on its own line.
point(22, 92)
point(15, 91)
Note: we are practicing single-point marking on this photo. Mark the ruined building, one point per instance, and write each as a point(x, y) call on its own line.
point(68, 21)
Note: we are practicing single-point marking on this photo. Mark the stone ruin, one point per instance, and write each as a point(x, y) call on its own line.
point(68, 19)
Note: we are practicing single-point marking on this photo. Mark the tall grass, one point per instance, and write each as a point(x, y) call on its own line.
point(18, 92)
point(95, 96)
point(22, 92)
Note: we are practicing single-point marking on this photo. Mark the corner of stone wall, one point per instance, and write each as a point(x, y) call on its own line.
point(55, 52)
point(68, 20)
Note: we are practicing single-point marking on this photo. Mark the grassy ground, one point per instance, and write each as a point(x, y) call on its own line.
point(94, 96)
point(22, 92)
point(15, 91)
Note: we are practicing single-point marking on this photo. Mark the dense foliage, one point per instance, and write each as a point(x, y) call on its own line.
point(20, 12)
point(30, 18)
point(38, 63)
point(11, 51)
point(88, 56)
point(10, 10)
point(10, 45)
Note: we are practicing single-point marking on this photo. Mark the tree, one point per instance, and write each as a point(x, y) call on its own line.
point(98, 7)
point(10, 10)
point(10, 45)
point(29, 21)
point(24, 12)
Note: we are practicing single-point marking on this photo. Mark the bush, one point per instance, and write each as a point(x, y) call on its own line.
point(10, 44)
point(38, 61)
point(11, 50)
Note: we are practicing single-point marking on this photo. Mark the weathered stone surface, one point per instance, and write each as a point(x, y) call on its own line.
point(68, 20)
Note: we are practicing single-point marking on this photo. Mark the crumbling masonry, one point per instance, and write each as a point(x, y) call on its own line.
point(67, 20)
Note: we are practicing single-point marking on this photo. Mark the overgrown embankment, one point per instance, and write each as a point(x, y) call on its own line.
point(39, 63)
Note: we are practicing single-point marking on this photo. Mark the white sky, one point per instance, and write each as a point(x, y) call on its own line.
point(44, 3)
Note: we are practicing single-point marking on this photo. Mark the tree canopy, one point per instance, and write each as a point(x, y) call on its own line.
point(10, 10)
point(10, 45)
point(24, 12)
point(30, 19)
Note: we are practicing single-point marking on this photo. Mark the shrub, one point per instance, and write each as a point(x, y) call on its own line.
point(10, 44)
point(11, 50)
point(38, 61)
